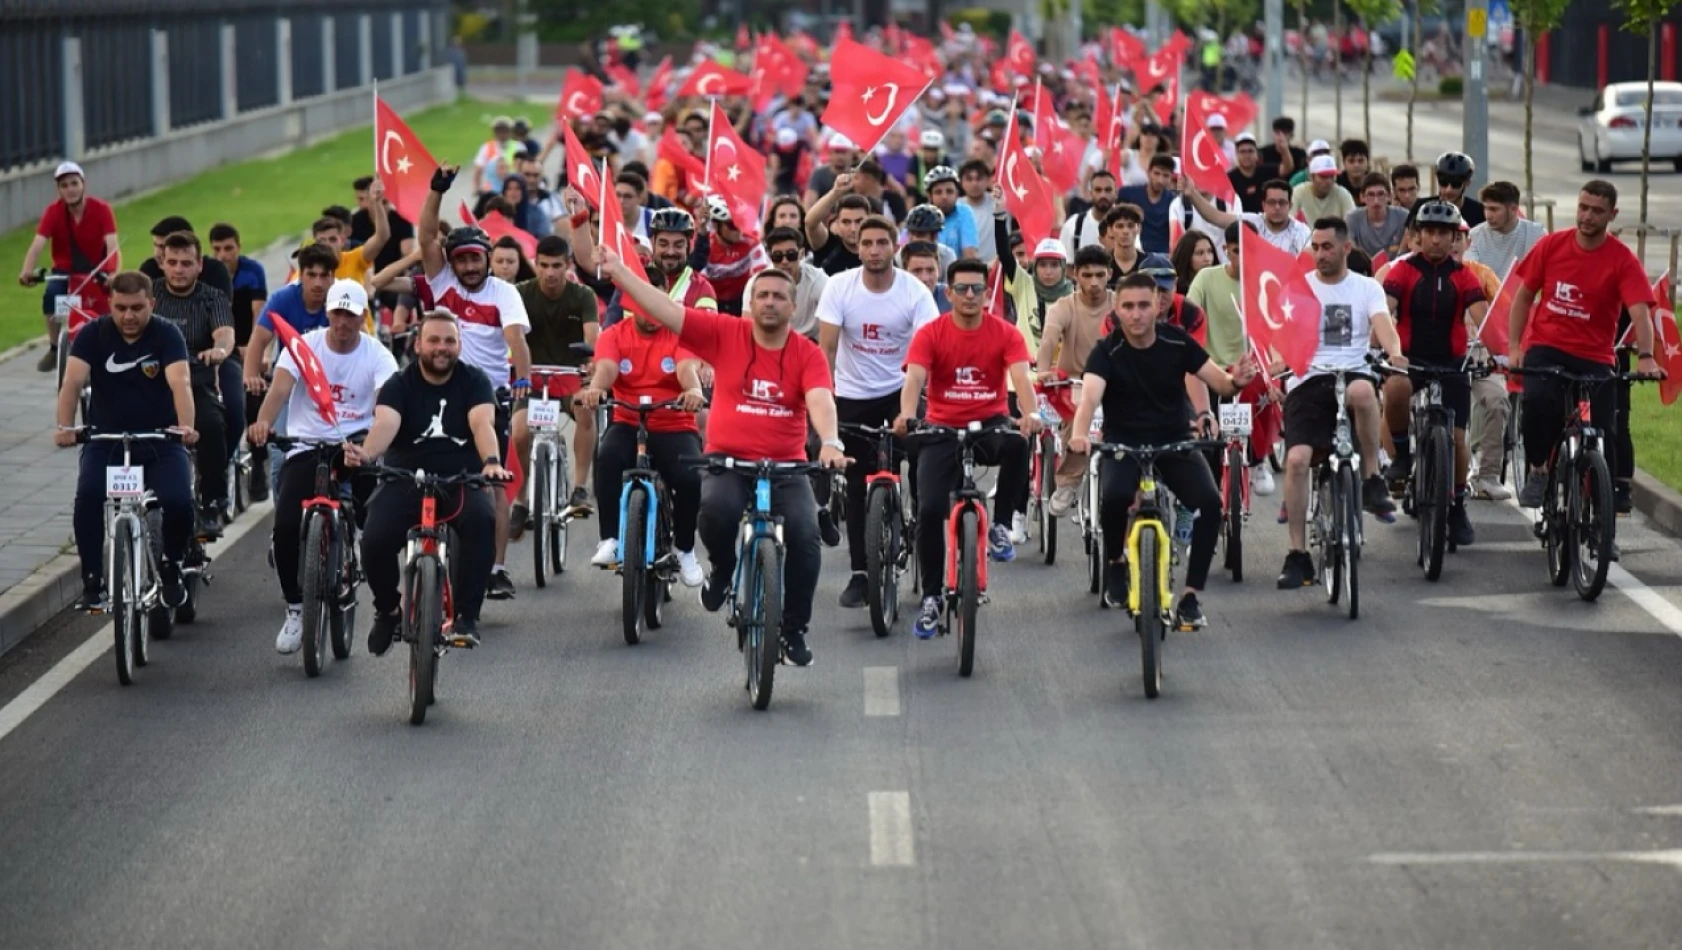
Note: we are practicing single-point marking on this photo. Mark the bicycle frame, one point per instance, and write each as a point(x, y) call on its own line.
point(1148, 518)
point(642, 474)
point(543, 420)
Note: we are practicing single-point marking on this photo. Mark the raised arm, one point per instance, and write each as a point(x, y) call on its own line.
point(652, 300)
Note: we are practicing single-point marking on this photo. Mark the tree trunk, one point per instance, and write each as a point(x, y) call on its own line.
point(1337, 66)
point(1413, 88)
point(1529, 119)
point(1647, 125)
point(1303, 54)
point(1366, 91)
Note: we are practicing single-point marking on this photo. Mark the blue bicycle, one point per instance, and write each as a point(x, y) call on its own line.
point(647, 562)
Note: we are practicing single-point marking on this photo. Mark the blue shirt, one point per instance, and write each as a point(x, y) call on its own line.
point(288, 301)
point(1153, 234)
point(129, 390)
point(959, 231)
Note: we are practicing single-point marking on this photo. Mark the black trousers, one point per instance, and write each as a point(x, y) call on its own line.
point(211, 453)
point(940, 473)
point(725, 495)
point(231, 377)
point(868, 412)
point(1545, 407)
point(297, 484)
point(166, 472)
point(1189, 478)
point(618, 452)
point(395, 509)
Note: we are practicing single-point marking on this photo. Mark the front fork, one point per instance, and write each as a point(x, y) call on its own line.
point(1141, 523)
point(952, 552)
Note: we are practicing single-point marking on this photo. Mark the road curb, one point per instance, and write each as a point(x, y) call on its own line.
point(23, 348)
point(1659, 502)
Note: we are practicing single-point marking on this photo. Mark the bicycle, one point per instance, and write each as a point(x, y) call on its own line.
point(1237, 422)
point(1150, 548)
point(647, 562)
point(965, 586)
point(1086, 514)
point(330, 573)
point(1577, 524)
point(1429, 490)
point(755, 600)
point(1042, 474)
point(429, 583)
point(1334, 503)
point(549, 481)
point(133, 549)
point(890, 530)
point(69, 317)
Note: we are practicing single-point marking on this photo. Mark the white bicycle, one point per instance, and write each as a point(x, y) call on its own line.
point(549, 480)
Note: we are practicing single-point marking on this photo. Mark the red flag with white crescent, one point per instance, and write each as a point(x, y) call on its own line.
point(658, 84)
point(869, 93)
point(1239, 110)
point(499, 227)
point(1019, 54)
point(581, 171)
point(1667, 340)
point(1204, 161)
point(404, 165)
point(581, 96)
point(1280, 308)
point(310, 371)
point(1027, 196)
point(711, 79)
point(735, 172)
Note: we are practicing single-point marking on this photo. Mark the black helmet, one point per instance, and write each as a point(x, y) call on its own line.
point(1438, 214)
point(938, 174)
point(1455, 165)
point(925, 218)
point(467, 238)
point(670, 221)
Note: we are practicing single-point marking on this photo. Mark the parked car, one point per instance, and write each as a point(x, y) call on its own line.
point(1610, 130)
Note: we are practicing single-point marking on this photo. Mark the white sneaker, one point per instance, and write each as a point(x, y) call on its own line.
point(291, 636)
point(607, 553)
point(1261, 479)
point(1019, 528)
point(1490, 488)
point(1062, 500)
point(689, 569)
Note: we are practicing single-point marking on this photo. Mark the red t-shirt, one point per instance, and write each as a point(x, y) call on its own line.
point(647, 367)
point(1579, 294)
point(89, 233)
point(759, 395)
point(967, 369)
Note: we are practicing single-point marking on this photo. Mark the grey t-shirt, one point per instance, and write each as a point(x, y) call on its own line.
point(1371, 239)
point(1499, 252)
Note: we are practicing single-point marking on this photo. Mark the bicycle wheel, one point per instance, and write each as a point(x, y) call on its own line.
point(344, 592)
point(659, 578)
point(881, 556)
point(634, 568)
point(1592, 525)
point(1431, 499)
point(1150, 625)
point(1094, 543)
point(1513, 467)
point(236, 483)
point(317, 580)
point(1232, 529)
point(1349, 541)
point(125, 600)
point(764, 621)
point(1328, 528)
point(560, 497)
point(541, 513)
point(1555, 526)
point(1048, 487)
point(423, 609)
point(969, 589)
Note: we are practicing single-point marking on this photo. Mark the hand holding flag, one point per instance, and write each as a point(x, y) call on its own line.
point(1280, 308)
point(310, 371)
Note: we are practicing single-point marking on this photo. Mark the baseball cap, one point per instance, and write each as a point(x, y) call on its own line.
point(1050, 249)
point(1244, 137)
point(1319, 145)
point(1322, 165)
point(68, 168)
point(932, 138)
point(502, 122)
point(841, 143)
point(1160, 269)
point(348, 295)
point(1216, 121)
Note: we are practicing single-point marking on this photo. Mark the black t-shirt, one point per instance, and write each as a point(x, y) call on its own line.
point(130, 391)
point(215, 273)
point(1249, 187)
point(434, 434)
point(1270, 159)
point(833, 257)
point(362, 228)
point(1145, 399)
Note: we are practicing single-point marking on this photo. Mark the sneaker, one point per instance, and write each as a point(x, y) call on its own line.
point(1398, 471)
point(689, 569)
point(210, 522)
point(93, 599)
point(795, 650)
point(465, 630)
point(716, 590)
point(1622, 502)
point(607, 554)
point(1115, 584)
point(854, 596)
point(501, 586)
point(1018, 530)
point(291, 637)
point(518, 516)
point(1375, 496)
point(1490, 488)
point(1001, 543)
point(1534, 492)
point(169, 576)
point(1460, 524)
point(382, 632)
point(828, 530)
point(1062, 500)
point(580, 500)
point(1298, 571)
point(1261, 479)
point(928, 622)
point(1189, 615)
point(48, 361)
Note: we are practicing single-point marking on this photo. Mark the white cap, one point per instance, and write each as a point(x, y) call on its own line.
point(1244, 137)
point(1050, 248)
point(652, 116)
point(931, 138)
point(1319, 145)
point(1322, 165)
point(786, 137)
point(68, 168)
point(349, 295)
point(1215, 121)
point(954, 89)
point(839, 142)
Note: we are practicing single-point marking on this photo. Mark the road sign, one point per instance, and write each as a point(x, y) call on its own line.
point(1477, 23)
point(1500, 16)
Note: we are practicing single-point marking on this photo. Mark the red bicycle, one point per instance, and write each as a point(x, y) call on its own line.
point(1055, 398)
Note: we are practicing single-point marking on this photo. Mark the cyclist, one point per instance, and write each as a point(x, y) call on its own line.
point(1437, 304)
point(768, 382)
point(1565, 314)
point(1152, 381)
point(251, 294)
point(211, 272)
point(924, 224)
point(671, 232)
point(303, 305)
point(140, 383)
point(785, 249)
point(834, 243)
point(355, 365)
point(958, 232)
point(1454, 173)
point(636, 359)
point(492, 326)
point(1353, 314)
point(866, 319)
point(964, 359)
point(1073, 326)
point(206, 321)
point(82, 233)
point(731, 257)
point(437, 414)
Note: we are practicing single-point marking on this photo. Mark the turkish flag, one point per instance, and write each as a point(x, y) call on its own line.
point(1061, 147)
point(1126, 50)
point(711, 79)
point(621, 240)
point(581, 96)
point(1087, 70)
point(624, 77)
point(870, 92)
point(310, 372)
point(946, 34)
point(843, 34)
point(1204, 161)
point(694, 169)
point(998, 77)
point(499, 227)
point(1019, 55)
point(466, 215)
point(404, 164)
point(743, 41)
point(791, 71)
point(1379, 260)
point(1667, 341)
point(893, 38)
point(1238, 110)
point(1305, 262)
point(1168, 99)
point(581, 171)
point(1161, 68)
point(735, 172)
point(1027, 196)
point(1280, 308)
point(921, 53)
point(1178, 42)
point(658, 84)
point(1495, 331)
point(996, 293)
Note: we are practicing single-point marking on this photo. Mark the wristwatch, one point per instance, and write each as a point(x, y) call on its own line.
point(835, 444)
point(1645, 355)
point(492, 460)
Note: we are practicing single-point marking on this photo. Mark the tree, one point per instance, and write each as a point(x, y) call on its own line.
point(1644, 16)
point(1420, 8)
point(1373, 14)
point(1304, 55)
point(1537, 18)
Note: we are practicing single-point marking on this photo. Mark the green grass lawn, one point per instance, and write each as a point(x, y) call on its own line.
point(266, 199)
point(1657, 431)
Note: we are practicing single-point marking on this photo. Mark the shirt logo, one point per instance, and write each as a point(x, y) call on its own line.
point(967, 376)
point(870, 331)
point(1568, 293)
point(668, 365)
point(112, 366)
point(764, 390)
point(625, 365)
point(149, 369)
point(436, 429)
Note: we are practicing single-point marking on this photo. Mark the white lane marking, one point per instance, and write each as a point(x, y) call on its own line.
point(1629, 585)
point(1670, 811)
point(881, 691)
point(1672, 857)
point(24, 705)
point(890, 830)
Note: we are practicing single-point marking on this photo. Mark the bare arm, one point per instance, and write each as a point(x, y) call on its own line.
point(426, 233)
point(915, 377)
point(32, 256)
point(372, 247)
point(829, 338)
point(384, 429)
point(255, 349)
point(1384, 333)
point(820, 411)
point(817, 231)
point(1023, 381)
point(113, 251)
point(651, 299)
point(1091, 397)
point(1207, 209)
point(1050, 338)
point(181, 387)
point(481, 419)
point(518, 353)
point(70, 391)
point(1515, 325)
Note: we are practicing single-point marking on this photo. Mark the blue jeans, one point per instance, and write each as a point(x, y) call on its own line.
point(168, 476)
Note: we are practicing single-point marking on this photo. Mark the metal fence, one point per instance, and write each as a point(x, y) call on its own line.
point(195, 72)
point(117, 78)
point(31, 110)
point(309, 55)
point(347, 51)
point(256, 68)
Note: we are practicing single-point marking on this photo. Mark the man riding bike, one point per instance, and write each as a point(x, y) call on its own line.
point(82, 233)
point(1073, 326)
point(205, 318)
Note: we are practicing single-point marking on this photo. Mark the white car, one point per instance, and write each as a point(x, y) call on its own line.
point(1611, 129)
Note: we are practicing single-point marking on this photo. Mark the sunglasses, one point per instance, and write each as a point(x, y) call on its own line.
point(966, 290)
point(783, 257)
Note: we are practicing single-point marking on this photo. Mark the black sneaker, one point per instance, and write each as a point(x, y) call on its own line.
point(1460, 524)
point(93, 599)
point(501, 586)
point(580, 500)
point(1115, 584)
point(1375, 497)
point(1622, 502)
point(517, 518)
point(1189, 615)
point(210, 522)
point(1397, 472)
point(173, 590)
point(48, 361)
point(382, 632)
point(795, 650)
point(715, 591)
point(828, 530)
point(854, 596)
point(1298, 571)
point(465, 630)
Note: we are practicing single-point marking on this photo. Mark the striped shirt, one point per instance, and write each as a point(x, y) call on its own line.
point(197, 314)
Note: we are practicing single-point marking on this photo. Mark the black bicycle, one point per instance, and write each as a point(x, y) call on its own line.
point(647, 561)
point(890, 530)
point(1428, 494)
point(330, 574)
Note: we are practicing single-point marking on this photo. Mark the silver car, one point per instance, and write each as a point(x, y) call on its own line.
point(1611, 130)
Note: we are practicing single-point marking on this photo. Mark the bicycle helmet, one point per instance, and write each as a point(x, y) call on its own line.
point(467, 238)
point(670, 221)
point(938, 174)
point(1438, 214)
point(1456, 166)
point(718, 209)
point(925, 219)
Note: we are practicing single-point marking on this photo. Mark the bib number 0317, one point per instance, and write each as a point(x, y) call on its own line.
point(124, 481)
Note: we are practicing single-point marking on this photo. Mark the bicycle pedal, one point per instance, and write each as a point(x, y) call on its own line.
point(984, 598)
point(459, 643)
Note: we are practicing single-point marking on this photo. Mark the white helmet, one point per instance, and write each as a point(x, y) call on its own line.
point(718, 209)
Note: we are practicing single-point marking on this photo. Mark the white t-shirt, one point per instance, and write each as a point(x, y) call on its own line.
point(1292, 240)
point(356, 378)
point(1079, 231)
point(483, 314)
point(876, 330)
point(1347, 309)
point(1178, 212)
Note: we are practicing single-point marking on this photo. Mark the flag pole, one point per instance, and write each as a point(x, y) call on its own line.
point(377, 126)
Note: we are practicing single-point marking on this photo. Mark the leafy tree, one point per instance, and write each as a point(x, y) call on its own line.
point(1644, 16)
point(1373, 14)
point(1537, 18)
point(1420, 8)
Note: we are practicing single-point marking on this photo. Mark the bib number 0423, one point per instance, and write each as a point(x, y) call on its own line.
point(1235, 418)
point(124, 481)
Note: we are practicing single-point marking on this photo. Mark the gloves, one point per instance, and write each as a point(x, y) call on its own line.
point(442, 178)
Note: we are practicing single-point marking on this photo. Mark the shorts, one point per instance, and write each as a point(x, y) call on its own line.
point(1457, 397)
point(1311, 412)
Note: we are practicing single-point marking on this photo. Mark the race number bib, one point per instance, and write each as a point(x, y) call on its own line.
point(124, 481)
point(543, 413)
point(1235, 418)
point(65, 304)
point(1096, 434)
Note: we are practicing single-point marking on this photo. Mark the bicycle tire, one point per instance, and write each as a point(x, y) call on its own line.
point(423, 611)
point(1349, 542)
point(1048, 487)
point(1555, 525)
point(1432, 496)
point(633, 564)
point(1593, 523)
point(766, 619)
point(1094, 540)
point(315, 582)
point(659, 582)
point(1328, 529)
point(969, 588)
point(540, 513)
point(1233, 534)
point(881, 557)
point(344, 613)
point(236, 484)
point(1514, 470)
point(1149, 622)
point(125, 601)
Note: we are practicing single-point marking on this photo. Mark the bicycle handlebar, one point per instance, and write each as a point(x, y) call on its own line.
point(875, 432)
point(286, 443)
point(967, 434)
point(86, 434)
point(426, 480)
point(762, 467)
point(1171, 448)
point(645, 408)
point(1570, 377)
point(1428, 373)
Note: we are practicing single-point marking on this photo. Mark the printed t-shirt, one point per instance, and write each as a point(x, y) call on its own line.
point(435, 434)
point(1579, 294)
point(355, 378)
point(483, 314)
point(759, 395)
point(648, 365)
point(875, 328)
point(967, 369)
point(129, 390)
point(1347, 309)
